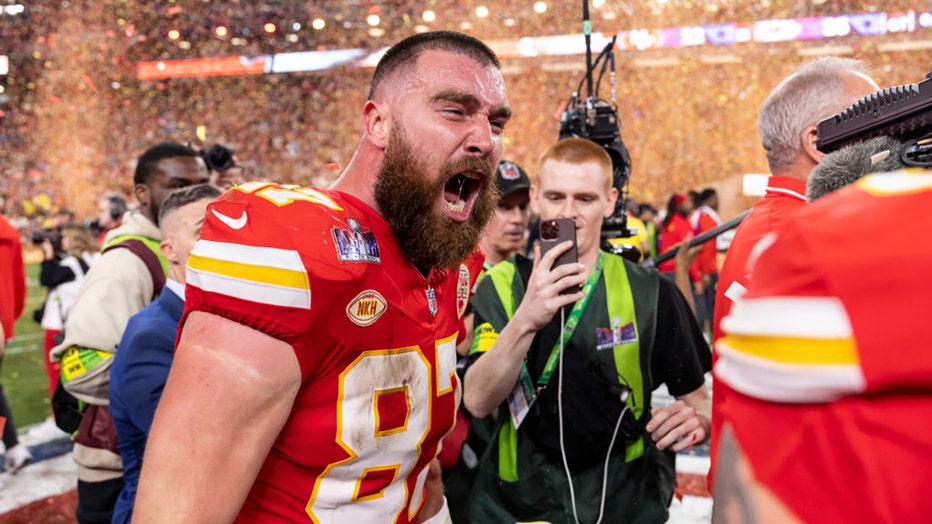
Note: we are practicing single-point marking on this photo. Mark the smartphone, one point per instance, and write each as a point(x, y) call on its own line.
point(555, 231)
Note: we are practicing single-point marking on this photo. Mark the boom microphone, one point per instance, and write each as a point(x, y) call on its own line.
point(844, 166)
point(700, 239)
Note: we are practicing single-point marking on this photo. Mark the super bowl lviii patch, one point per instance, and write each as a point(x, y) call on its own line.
point(624, 334)
point(355, 245)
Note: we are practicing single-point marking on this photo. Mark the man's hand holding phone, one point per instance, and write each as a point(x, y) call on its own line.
point(556, 277)
point(554, 232)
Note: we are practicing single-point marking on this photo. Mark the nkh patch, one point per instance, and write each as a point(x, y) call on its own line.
point(355, 245)
point(366, 308)
point(462, 291)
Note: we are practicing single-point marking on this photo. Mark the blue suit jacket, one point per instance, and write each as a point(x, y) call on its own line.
point(140, 369)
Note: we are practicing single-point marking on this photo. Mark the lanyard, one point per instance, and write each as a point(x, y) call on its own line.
point(570, 325)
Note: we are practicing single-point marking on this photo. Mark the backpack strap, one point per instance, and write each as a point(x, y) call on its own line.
point(148, 257)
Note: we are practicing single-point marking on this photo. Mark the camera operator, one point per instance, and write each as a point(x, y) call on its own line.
point(52, 233)
point(633, 331)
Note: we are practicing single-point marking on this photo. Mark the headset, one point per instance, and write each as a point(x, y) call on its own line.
point(117, 206)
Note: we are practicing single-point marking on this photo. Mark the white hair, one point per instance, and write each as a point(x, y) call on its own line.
point(814, 92)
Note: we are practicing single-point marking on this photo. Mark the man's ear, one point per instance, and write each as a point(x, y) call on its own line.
point(376, 119)
point(165, 246)
point(612, 198)
point(808, 142)
point(532, 192)
point(141, 192)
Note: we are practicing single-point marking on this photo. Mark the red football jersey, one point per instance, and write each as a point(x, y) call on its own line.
point(375, 340)
point(827, 357)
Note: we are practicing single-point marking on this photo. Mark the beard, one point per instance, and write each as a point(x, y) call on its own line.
point(406, 193)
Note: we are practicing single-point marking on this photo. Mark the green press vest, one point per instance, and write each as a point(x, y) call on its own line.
point(150, 243)
point(631, 359)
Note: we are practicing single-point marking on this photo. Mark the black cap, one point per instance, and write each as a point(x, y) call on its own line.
point(510, 178)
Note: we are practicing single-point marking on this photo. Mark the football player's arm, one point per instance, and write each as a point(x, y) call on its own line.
point(492, 376)
point(229, 392)
point(462, 349)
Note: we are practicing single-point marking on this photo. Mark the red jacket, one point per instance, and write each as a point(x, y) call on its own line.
point(784, 197)
point(676, 230)
point(707, 259)
point(12, 276)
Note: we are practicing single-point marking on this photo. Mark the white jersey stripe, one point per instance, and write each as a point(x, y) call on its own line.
point(800, 317)
point(252, 255)
point(263, 293)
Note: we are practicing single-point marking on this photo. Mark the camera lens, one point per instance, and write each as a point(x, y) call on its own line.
point(549, 230)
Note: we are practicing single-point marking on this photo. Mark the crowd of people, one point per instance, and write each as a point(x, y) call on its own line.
point(82, 93)
point(391, 349)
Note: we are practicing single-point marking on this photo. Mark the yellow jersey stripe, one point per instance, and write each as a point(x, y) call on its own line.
point(803, 351)
point(250, 272)
point(785, 383)
point(259, 292)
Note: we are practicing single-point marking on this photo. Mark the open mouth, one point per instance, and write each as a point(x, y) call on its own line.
point(460, 192)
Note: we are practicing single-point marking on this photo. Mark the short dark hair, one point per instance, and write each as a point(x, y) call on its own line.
point(186, 195)
point(706, 194)
point(406, 52)
point(145, 166)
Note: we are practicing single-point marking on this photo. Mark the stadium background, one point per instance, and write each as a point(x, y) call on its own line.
point(74, 115)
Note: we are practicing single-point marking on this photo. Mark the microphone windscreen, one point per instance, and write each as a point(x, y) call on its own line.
point(844, 166)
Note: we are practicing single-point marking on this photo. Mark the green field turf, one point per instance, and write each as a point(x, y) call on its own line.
point(23, 373)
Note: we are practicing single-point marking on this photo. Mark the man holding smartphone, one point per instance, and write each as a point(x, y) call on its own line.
point(572, 373)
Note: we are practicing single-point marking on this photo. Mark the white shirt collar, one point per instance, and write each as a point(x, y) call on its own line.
point(176, 287)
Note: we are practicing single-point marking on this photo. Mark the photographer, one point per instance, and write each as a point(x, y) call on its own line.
point(580, 442)
point(62, 273)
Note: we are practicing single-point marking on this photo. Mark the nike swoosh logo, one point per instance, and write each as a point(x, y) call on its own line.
point(234, 223)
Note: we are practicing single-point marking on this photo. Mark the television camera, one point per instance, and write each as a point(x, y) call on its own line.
point(901, 112)
point(596, 119)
